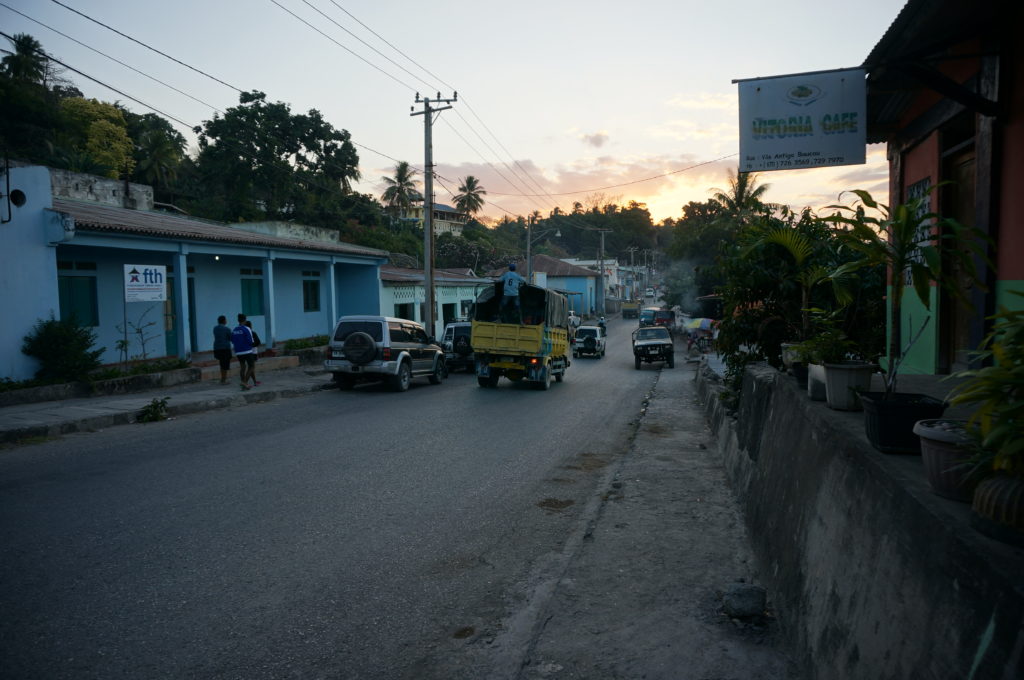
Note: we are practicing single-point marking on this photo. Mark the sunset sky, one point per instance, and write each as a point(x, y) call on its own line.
point(563, 98)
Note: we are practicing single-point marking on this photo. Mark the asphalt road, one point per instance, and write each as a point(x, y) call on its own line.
point(335, 535)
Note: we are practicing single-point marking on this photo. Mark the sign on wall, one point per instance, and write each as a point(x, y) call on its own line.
point(145, 283)
point(810, 120)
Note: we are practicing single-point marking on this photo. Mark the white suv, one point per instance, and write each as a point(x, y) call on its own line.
point(589, 340)
point(376, 347)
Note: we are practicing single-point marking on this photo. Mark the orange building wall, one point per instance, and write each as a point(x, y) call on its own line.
point(922, 162)
point(1010, 241)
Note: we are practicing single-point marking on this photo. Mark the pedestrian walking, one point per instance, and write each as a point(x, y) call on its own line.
point(242, 340)
point(222, 347)
point(255, 353)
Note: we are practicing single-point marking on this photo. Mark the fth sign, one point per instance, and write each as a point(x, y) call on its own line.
point(808, 120)
point(145, 283)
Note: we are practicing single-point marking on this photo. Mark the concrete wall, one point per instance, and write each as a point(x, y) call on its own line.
point(872, 575)
point(28, 267)
point(81, 187)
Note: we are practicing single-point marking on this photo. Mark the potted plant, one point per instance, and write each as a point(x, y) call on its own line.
point(946, 450)
point(829, 345)
point(912, 244)
point(998, 392)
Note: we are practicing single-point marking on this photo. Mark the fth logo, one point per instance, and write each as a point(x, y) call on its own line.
point(134, 274)
point(148, 276)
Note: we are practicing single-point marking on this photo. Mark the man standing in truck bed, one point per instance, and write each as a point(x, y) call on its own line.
point(510, 283)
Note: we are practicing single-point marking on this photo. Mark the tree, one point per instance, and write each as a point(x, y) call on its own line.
point(99, 130)
point(401, 190)
point(28, 62)
point(159, 149)
point(742, 201)
point(261, 161)
point(470, 198)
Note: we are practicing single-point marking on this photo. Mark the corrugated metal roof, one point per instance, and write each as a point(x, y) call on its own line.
point(395, 274)
point(102, 218)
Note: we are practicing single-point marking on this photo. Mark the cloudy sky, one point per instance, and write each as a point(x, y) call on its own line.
point(559, 100)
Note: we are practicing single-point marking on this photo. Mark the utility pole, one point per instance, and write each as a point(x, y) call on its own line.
point(529, 242)
point(600, 269)
point(428, 200)
point(632, 273)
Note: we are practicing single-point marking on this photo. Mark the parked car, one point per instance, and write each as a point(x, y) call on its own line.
point(653, 343)
point(589, 340)
point(457, 345)
point(383, 348)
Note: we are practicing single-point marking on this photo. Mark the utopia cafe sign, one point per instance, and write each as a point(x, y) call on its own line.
point(807, 120)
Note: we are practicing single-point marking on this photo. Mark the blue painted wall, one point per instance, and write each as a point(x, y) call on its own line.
point(359, 290)
point(581, 304)
point(28, 269)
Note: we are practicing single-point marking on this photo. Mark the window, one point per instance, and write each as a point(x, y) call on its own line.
point(310, 296)
point(398, 332)
point(252, 297)
point(77, 295)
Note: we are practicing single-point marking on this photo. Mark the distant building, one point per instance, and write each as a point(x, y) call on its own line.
point(446, 219)
point(403, 294)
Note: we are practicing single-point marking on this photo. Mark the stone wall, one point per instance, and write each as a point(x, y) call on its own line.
point(81, 187)
point(873, 576)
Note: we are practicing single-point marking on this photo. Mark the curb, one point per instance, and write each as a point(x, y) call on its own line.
point(15, 435)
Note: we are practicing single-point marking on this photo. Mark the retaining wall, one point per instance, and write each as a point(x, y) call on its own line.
point(872, 575)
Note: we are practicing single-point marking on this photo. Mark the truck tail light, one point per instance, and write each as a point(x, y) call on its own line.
point(385, 353)
point(534, 360)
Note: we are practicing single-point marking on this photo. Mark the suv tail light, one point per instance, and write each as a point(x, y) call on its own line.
point(385, 353)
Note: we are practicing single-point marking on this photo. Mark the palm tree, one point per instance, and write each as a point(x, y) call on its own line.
point(470, 197)
point(742, 201)
point(401, 191)
point(159, 159)
point(28, 62)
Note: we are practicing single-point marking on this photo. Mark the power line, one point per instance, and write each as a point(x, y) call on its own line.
point(356, 55)
point(626, 184)
point(104, 54)
point(162, 54)
point(109, 87)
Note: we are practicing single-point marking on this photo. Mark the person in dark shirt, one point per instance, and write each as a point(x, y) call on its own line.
point(222, 347)
point(241, 338)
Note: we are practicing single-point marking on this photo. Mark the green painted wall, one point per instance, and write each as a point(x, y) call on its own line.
point(1003, 297)
point(921, 359)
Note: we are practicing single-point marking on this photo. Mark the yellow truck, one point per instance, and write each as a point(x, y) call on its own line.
point(630, 309)
point(536, 350)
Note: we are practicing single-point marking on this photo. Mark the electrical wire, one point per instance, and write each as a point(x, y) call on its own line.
point(162, 54)
point(104, 54)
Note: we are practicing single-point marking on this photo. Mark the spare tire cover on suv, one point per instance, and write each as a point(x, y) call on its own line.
point(359, 348)
point(462, 345)
point(590, 343)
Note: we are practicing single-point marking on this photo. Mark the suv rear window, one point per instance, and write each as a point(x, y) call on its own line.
point(347, 328)
point(586, 333)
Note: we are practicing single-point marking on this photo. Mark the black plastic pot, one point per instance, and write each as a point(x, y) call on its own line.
point(799, 371)
point(889, 423)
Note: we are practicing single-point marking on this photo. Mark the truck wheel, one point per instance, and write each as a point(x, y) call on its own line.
point(671, 361)
point(636, 363)
point(545, 384)
point(401, 381)
point(559, 376)
point(482, 381)
point(439, 374)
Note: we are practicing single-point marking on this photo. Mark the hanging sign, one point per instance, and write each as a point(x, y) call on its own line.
point(145, 283)
point(810, 120)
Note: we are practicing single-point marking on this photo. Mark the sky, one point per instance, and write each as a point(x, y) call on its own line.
point(558, 100)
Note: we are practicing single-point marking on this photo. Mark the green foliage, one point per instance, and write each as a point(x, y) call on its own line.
point(913, 245)
point(63, 348)
point(998, 392)
point(154, 411)
point(470, 198)
point(306, 343)
point(140, 368)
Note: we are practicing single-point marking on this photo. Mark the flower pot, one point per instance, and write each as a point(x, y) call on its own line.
point(799, 371)
point(999, 509)
point(789, 354)
point(816, 382)
point(889, 423)
point(944, 454)
point(843, 380)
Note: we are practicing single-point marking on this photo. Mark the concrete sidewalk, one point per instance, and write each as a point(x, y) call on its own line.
point(54, 418)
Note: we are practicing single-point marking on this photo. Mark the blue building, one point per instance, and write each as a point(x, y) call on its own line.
point(64, 250)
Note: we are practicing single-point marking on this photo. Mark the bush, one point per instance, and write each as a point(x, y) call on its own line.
point(141, 368)
point(305, 343)
point(64, 350)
